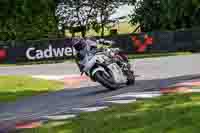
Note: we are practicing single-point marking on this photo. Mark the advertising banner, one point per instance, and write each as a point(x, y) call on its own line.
point(151, 42)
point(40, 50)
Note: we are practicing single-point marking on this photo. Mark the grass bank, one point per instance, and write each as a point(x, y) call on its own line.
point(166, 114)
point(15, 87)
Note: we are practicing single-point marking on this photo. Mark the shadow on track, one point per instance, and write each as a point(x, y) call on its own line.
point(140, 86)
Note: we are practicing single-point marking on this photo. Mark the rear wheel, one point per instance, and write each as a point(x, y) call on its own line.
point(106, 81)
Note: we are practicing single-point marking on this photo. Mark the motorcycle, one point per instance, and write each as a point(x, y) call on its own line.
point(108, 66)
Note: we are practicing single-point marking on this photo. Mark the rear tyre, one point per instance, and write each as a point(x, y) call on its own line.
point(103, 79)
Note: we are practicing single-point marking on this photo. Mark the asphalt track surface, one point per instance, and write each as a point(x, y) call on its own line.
point(152, 74)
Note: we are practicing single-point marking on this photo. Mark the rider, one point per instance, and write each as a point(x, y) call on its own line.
point(85, 49)
point(83, 45)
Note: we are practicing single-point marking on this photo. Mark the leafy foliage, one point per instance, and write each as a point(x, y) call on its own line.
point(166, 14)
point(105, 9)
point(27, 19)
point(89, 13)
point(76, 13)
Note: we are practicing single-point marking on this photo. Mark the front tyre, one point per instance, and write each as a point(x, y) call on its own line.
point(131, 78)
point(106, 81)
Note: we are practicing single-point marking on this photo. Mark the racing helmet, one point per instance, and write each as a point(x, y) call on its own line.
point(78, 44)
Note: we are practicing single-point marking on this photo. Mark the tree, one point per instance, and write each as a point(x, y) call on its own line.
point(27, 19)
point(105, 9)
point(166, 14)
point(74, 14)
point(87, 13)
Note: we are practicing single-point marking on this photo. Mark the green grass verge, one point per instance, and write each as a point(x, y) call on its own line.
point(15, 87)
point(166, 114)
point(131, 56)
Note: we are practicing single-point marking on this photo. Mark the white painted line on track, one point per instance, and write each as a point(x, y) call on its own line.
point(61, 77)
point(139, 95)
point(195, 90)
point(8, 119)
point(189, 83)
point(91, 109)
point(50, 77)
point(60, 117)
point(121, 101)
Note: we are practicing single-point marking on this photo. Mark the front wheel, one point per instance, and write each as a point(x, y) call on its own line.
point(106, 81)
point(131, 78)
